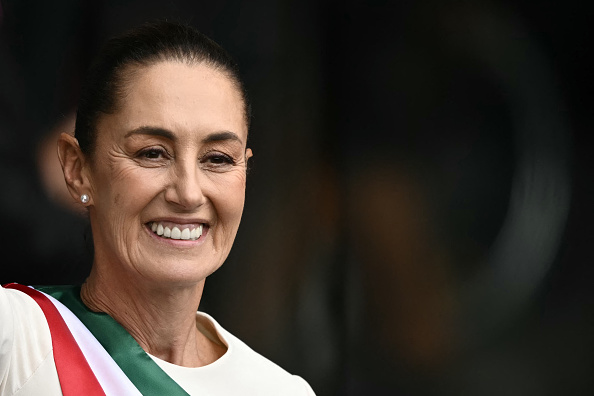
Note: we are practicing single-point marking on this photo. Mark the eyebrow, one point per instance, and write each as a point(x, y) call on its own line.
point(155, 131)
point(219, 136)
point(152, 131)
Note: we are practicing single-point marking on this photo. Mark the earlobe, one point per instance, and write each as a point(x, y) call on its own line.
point(72, 160)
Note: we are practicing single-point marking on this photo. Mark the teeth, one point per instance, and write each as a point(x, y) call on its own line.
point(176, 233)
point(185, 234)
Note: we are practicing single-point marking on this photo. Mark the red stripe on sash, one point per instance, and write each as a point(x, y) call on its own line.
point(76, 377)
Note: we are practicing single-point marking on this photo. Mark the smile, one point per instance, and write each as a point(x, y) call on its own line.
point(176, 231)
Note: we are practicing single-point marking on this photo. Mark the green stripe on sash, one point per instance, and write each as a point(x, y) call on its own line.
point(144, 373)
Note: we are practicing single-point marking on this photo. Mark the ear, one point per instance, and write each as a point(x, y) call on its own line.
point(248, 153)
point(73, 163)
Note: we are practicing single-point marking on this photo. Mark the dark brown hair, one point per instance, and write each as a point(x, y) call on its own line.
point(143, 46)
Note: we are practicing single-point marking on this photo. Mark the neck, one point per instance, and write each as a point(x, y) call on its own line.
point(162, 320)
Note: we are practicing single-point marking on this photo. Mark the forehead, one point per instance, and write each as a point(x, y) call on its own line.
point(183, 98)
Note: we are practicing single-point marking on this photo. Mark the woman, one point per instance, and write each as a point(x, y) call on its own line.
point(159, 161)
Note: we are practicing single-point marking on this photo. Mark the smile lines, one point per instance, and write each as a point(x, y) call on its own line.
point(192, 232)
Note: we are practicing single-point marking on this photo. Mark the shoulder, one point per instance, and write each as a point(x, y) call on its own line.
point(257, 374)
point(20, 315)
point(26, 358)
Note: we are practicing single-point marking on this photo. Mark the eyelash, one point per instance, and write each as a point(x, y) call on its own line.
point(153, 150)
point(222, 159)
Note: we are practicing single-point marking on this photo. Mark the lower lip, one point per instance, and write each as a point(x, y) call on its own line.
point(180, 242)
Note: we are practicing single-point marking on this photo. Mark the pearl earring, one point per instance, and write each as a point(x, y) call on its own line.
point(84, 198)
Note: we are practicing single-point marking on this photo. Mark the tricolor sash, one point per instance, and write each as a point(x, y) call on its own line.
point(94, 354)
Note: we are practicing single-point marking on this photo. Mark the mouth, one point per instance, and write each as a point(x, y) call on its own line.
point(170, 230)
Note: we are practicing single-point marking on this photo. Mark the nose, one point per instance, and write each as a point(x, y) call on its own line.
point(185, 190)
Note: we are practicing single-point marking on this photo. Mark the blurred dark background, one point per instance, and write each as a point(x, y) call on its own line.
point(418, 217)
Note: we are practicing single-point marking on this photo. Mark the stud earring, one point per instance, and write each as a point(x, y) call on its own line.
point(84, 198)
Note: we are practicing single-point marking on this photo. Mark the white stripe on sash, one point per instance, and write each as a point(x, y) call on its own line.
point(110, 376)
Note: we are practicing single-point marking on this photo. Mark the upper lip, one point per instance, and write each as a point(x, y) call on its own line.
point(178, 220)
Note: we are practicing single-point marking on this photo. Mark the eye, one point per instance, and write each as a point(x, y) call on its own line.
point(217, 160)
point(153, 153)
point(220, 159)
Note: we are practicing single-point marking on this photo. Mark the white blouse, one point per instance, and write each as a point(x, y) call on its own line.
point(27, 365)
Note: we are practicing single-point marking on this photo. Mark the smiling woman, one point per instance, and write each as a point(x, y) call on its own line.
point(174, 155)
point(159, 160)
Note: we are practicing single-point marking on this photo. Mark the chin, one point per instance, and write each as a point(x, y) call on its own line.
point(178, 273)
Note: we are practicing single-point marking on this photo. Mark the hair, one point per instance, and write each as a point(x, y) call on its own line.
point(143, 46)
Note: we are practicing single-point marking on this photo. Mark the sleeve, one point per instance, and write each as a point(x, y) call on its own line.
point(26, 357)
point(6, 336)
point(307, 390)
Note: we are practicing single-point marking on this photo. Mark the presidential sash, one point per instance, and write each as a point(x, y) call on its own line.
point(94, 354)
point(74, 373)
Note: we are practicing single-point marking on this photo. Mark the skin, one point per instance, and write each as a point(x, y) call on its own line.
point(174, 151)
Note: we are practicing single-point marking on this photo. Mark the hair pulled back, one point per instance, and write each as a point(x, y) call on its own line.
point(143, 46)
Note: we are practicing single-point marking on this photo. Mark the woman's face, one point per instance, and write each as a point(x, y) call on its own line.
point(168, 174)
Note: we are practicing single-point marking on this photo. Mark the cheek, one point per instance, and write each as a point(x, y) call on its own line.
point(125, 191)
point(229, 197)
